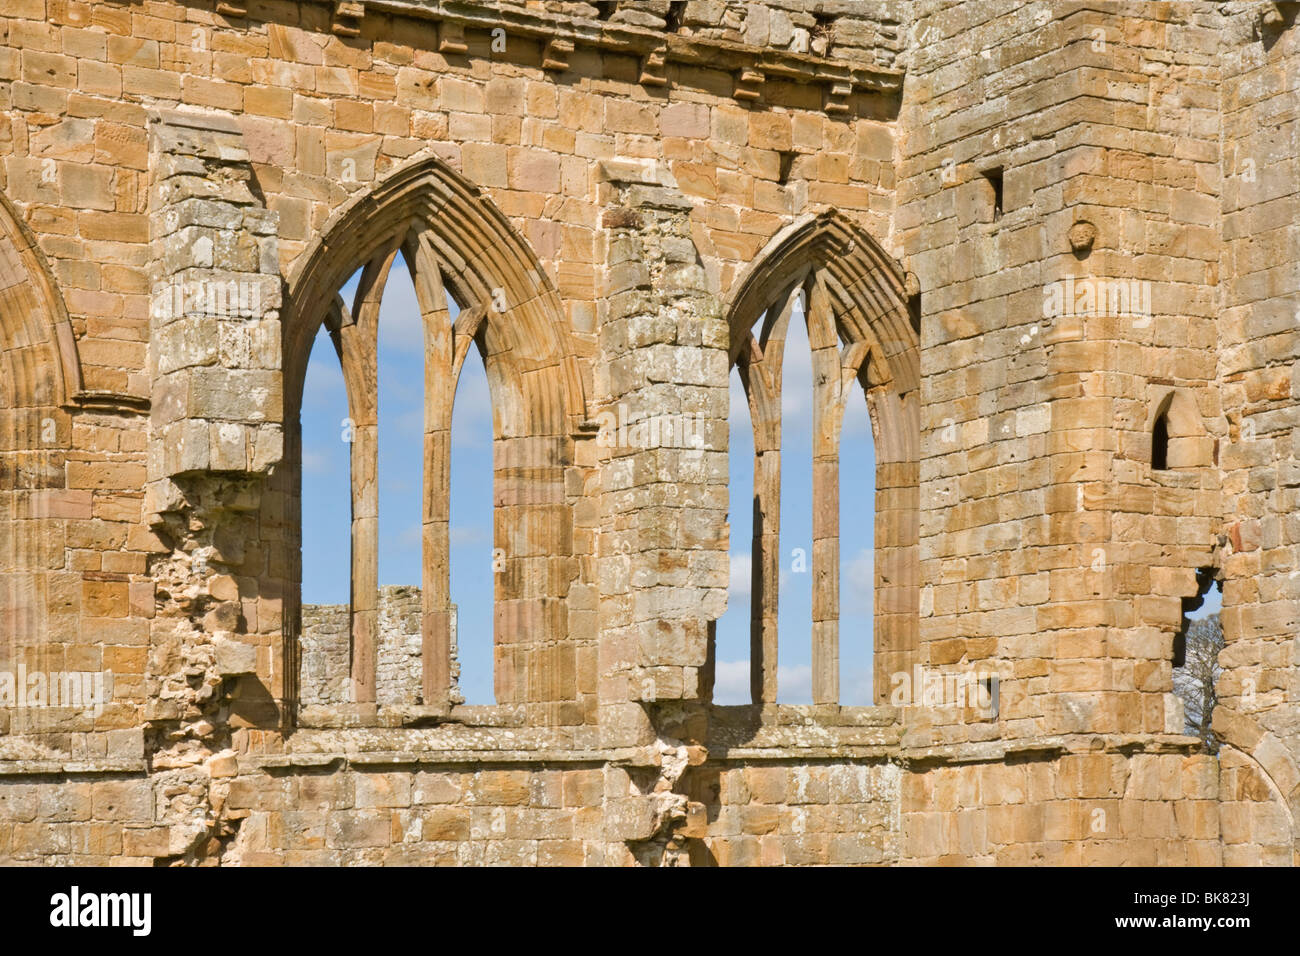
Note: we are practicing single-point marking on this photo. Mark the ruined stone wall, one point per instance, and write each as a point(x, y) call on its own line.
point(326, 656)
point(614, 194)
point(1260, 788)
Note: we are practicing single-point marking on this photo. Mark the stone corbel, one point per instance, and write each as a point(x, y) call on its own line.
point(749, 84)
point(232, 8)
point(654, 68)
point(451, 38)
point(348, 15)
point(838, 95)
point(556, 55)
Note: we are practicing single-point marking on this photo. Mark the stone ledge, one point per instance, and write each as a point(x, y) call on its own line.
point(68, 768)
point(1051, 747)
point(410, 759)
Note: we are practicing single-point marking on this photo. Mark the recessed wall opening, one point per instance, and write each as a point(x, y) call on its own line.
point(469, 296)
point(830, 392)
point(994, 179)
point(1160, 443)
point(673, 18)
point(788, 157)
point(1196, 658)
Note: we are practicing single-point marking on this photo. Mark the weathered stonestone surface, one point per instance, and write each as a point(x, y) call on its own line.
point(1061, 260)
point(326, 660)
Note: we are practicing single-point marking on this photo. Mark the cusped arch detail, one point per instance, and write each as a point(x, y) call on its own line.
point(866, 291)
point(486, 261)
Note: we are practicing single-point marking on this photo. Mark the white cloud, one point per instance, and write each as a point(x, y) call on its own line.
point(855, 688)
point(731, 682)
point(412, 536)
point(859, 584)
point(468, 534)
point(794, 684)
point(741, 571)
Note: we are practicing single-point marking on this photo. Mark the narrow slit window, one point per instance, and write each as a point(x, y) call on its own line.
point(795, 577)
point(857, 534)
point(326, 437)
point(1160, 444)
point(994, 179)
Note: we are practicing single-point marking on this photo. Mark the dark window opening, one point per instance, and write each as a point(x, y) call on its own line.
point(606, 8)
point(787, 163)
point(990, 687)
point(994, 178)
point(1160, 444)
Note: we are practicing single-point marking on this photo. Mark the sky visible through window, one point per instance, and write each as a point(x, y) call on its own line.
point(326, 561)
point(326, 509)
point(857, 540)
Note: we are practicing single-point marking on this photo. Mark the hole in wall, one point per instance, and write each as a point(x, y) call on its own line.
point(673, 18)
point(1160, 443)
point(993, 177)
point(1196, 658)
point(788, 156)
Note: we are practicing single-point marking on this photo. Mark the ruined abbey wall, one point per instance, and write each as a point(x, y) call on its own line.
point(1055, 242)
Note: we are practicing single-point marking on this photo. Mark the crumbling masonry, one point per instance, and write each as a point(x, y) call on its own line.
point(1058, 244)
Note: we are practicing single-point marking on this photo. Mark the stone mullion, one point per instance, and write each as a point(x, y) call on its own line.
point(765, 418)
point(828, 407)
point(439, 394)
point(358, 344)
point(762, 374)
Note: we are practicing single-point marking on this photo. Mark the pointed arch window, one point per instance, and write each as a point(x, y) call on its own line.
point(829, 274)
point(479, 289)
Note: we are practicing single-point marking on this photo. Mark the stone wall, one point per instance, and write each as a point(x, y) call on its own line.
point(618, 196)
point(326, 659)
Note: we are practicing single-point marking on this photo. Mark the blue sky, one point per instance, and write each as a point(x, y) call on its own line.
point(326, 514)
